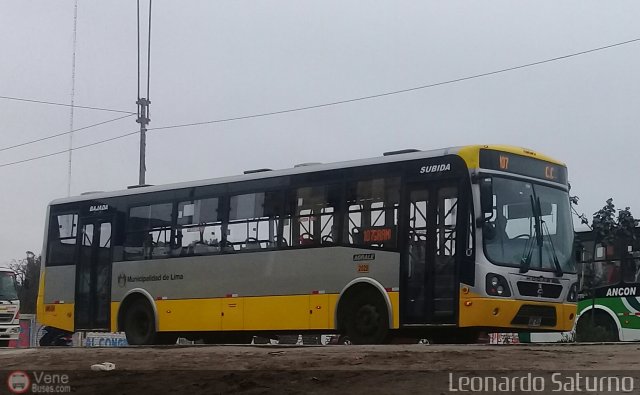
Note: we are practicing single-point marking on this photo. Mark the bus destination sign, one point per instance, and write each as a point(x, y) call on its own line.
point(518, 164)
point(374, 235)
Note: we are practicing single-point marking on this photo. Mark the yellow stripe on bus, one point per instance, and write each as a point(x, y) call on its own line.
point(295, 312)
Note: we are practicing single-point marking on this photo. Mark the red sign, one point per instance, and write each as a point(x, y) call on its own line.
point(377, 235)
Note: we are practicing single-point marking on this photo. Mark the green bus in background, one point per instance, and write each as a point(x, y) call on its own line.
point(609, 298)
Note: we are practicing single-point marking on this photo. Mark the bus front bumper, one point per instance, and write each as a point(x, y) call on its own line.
point(516, 315)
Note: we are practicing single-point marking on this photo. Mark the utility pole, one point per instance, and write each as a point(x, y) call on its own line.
point(143, 102)
point(143, 120)
point(73, 92)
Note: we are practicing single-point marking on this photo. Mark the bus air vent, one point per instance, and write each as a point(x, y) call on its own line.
point(256, 171)
point(402, 151)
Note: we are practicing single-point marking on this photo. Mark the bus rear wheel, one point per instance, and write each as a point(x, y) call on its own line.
point(366, 319)
point(139, 324)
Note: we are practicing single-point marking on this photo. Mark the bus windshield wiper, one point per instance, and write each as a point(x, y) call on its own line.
point(559, 272)
point(525, 262)
point(539, 229)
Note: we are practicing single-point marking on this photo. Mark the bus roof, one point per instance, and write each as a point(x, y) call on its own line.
point(464, 151)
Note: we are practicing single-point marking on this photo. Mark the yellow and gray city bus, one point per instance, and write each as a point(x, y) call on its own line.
point(443, 244)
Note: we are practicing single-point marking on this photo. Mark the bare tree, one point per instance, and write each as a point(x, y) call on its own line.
point(28, 275)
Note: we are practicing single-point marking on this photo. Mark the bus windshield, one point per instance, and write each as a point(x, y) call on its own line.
point(511, 235)
point(8, 286)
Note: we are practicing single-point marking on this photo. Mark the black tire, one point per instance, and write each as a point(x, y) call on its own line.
point(46, 340)
point(4, 343)
point(366, 318)
point(599, 328)
point(140, 324)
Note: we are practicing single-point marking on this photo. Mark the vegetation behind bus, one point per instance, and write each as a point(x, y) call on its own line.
point(27, 275)
point(609, 261)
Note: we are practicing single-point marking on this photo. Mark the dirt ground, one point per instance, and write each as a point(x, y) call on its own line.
point(310, 369)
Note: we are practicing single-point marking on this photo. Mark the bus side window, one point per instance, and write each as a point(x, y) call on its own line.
point(149, 232)
point(199, 228)
point(253, 220)
point(311, 216)
point(62, 242)
point(372, 212)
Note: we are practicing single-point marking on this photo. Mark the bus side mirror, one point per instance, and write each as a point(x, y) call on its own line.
point(486, 197)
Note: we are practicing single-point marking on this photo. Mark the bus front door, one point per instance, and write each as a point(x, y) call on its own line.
point(429, 291)
point(93, 275)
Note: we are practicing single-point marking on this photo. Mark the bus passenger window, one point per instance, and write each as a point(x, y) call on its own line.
point(149, 232)
point(199, 228)
point(253, 221)
point(311, 216)
point(372, 212)
point(62, 239)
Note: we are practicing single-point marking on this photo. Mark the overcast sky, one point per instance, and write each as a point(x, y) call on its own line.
point(213, 60)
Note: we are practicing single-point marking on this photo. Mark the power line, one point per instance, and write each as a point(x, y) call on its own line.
point(335, 102)
point(63, 104)
point(583, 218)
point(67, 150)
point(63, 133)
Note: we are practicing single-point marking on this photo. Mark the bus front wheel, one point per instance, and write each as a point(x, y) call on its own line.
point(596, 326)
point(367, 319)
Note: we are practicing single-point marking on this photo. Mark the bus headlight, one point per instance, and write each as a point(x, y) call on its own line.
point(572, 296)
point(497, 285)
